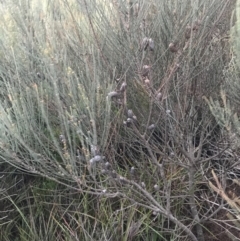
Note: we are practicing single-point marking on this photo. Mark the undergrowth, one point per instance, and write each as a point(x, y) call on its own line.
point(106, 133)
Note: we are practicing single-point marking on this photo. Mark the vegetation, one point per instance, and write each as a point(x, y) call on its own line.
point(119, 120)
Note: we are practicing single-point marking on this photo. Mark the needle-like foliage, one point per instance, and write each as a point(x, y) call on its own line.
point(106, 100)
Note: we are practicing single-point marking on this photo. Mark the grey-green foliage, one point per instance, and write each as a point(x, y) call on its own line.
point(59, 60)
point(227, 109)
point(236, 34)
point(53, 90)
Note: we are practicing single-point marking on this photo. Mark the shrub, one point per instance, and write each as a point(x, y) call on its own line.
point(106, 99)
